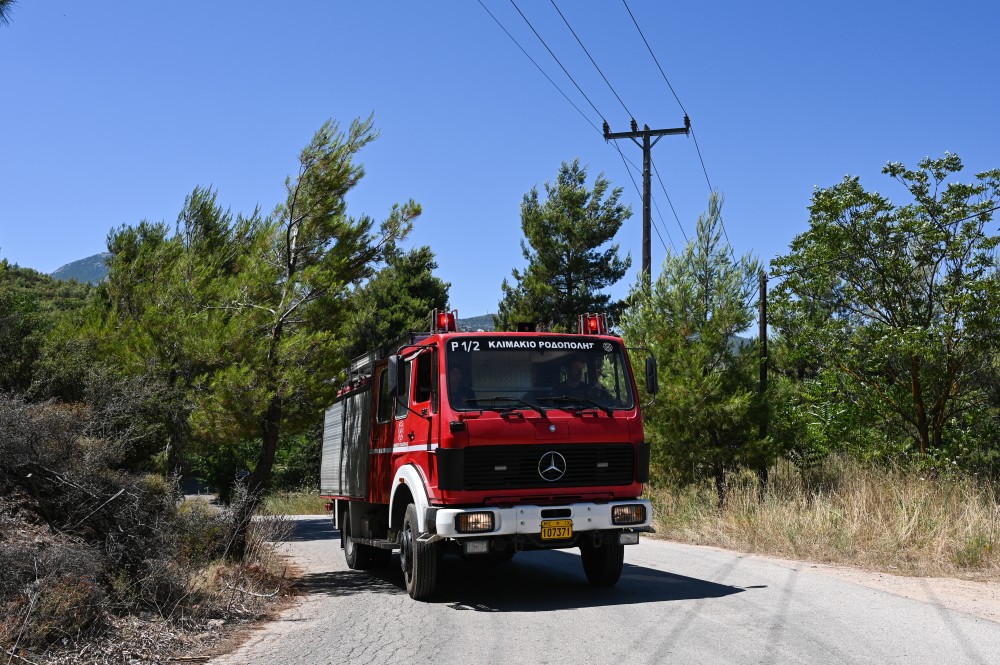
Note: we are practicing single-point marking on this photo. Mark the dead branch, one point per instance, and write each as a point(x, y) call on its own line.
point(251, 593)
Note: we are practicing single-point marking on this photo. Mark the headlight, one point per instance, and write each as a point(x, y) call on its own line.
point(633, 513)
point(474, 522)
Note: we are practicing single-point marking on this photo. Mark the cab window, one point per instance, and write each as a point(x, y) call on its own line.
point(403, 399)
point(425, 378)
point(384, 412)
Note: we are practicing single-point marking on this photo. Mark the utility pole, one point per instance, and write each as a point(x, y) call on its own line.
point(646, 134)
point(762, 472)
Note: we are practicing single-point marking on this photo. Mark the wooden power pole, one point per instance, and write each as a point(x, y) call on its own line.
point(762, 472)
point(646, 134)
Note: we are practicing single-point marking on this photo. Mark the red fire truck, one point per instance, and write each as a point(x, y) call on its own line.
point(487, 444)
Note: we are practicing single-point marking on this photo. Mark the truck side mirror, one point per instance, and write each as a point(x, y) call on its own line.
point(394, 374)
point(652, 381)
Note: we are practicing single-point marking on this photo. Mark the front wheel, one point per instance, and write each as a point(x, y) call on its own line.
point(419, 560)
point(603, 563)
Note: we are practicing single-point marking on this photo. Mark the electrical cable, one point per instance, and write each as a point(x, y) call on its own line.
point(625, 159)
point(601, 115)
point(582, 114)
point(664, 188)
point(694, 137)
point(663, 224)
point(672, 91)
point(654, 57)
point(594, 62)
point(637, 191)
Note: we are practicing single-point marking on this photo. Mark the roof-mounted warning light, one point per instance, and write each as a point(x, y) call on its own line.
point(593, 324)
point(444, 321)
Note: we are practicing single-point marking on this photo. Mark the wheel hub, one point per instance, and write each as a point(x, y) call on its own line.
point(406, 550)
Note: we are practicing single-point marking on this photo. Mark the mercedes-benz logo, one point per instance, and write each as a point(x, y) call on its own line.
point(552, 466)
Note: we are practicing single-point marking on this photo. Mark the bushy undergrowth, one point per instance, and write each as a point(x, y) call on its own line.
point(892, 519)
point(84, 542)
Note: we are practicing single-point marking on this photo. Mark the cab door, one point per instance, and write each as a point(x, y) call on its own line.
point(416, 433)
point(423, 402)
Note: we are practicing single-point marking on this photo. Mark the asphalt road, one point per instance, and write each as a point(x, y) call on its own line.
point(674, 604)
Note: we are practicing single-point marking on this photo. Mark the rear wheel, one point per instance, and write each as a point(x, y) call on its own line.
point(603, 563)
point(358, 556)
point(419, 560)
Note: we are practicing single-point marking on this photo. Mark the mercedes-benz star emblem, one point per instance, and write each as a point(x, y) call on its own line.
point(552, 466)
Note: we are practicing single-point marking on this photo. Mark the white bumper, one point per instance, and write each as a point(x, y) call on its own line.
point(528, 519)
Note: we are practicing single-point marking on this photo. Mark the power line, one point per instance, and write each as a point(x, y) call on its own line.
point(664, 188)
point(601, 115)
point(654, 57)
point(694, 137)
point(578, 41)
point(537, 66)
point(627, 162)
point(625, 159)
point(664, 225)
point(701, 159)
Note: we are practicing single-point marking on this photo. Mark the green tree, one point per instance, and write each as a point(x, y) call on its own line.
point(397, 300)
point(566, 245)
point(30, 305)
point(900, 302)
point(280, 317)
point(705, 421)
point(21, 333)
point(149, 326)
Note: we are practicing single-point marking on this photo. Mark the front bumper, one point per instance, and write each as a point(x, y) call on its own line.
point(527, 519)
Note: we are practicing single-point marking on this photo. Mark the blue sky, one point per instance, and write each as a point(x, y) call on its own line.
point(111, 112)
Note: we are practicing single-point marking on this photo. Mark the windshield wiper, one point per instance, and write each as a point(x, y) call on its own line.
point(503, 398)
point(563, 399)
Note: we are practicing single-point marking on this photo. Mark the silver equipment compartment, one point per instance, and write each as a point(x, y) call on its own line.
point(346, 432)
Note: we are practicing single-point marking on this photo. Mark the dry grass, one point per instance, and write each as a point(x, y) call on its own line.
point(294, 503)
point(891, 520)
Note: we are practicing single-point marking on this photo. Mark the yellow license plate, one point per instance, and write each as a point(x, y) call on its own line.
point(557, 529)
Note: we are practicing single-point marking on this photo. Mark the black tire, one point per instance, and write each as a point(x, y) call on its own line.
point(360, 557)
point(603, 563)
point(419, 560)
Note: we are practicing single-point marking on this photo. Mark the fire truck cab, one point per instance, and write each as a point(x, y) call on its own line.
point(487, 444)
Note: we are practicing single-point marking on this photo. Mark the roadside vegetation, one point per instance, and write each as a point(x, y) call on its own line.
point(874, 443)
point(104, 564)
point(113, 397)
point(896, 520)
point(302, 502)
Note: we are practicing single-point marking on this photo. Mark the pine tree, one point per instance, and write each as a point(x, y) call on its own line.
point(397, 300)
point(566, 245)
point(704, 421)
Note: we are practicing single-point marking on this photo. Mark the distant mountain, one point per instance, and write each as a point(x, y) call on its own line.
point(474, 323)
point(90, 270)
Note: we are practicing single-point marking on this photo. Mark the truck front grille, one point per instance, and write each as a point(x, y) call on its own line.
point(534, 466)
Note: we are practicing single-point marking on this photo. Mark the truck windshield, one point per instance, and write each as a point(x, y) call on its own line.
point(537, 371)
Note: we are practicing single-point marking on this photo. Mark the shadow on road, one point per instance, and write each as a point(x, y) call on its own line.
point(554, 580)
point(533, 582)
point(313, 528)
